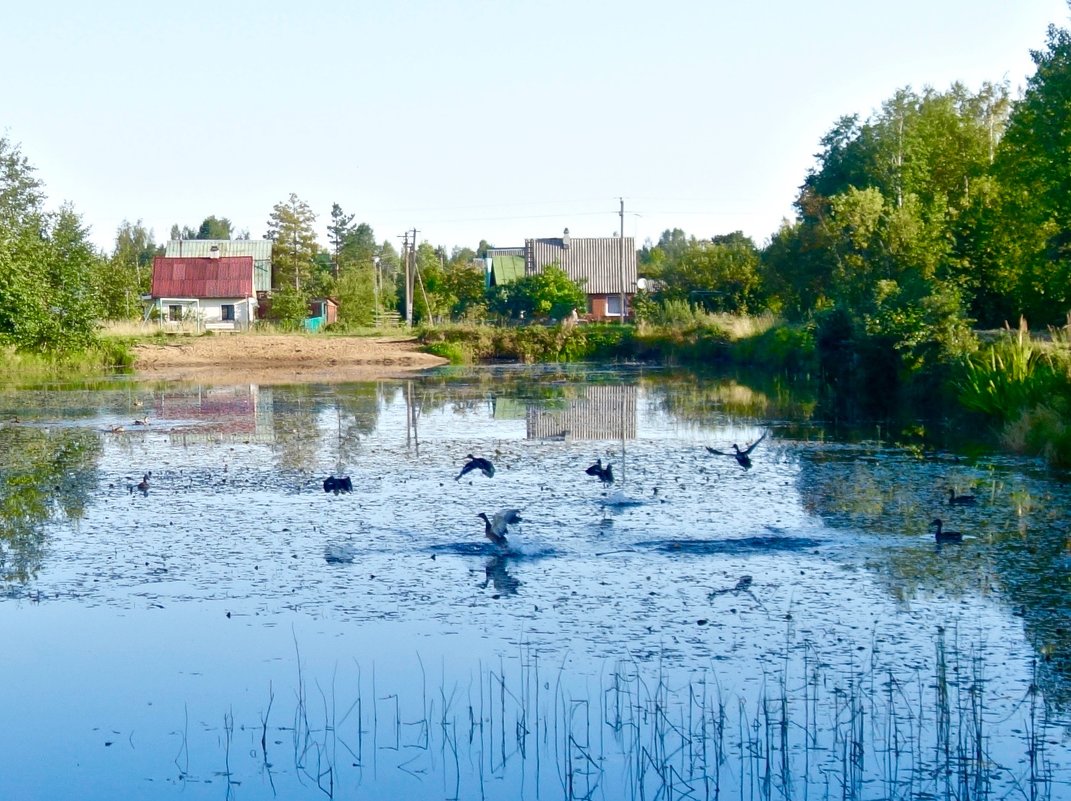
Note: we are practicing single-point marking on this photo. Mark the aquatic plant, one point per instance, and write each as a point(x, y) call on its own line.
point(819, 724)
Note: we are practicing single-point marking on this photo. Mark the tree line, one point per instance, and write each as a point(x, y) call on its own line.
point(941, 211)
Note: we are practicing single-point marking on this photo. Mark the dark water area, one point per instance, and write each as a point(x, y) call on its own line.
point(696, 629)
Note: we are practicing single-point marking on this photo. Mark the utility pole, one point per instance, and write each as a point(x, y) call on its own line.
point(410, 278)
point(407, 300)
point(622, 260)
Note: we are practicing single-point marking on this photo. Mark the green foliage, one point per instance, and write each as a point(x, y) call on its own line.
point(1009, 377)
point(1029, 225)
point(717, 275)
point(127, 275)
point(290, 228)
point(214, 228)
point(454, 352)
point(465, 344)
point(550, 294)
point(48, 297)
point(289, 308)
point(664, 312)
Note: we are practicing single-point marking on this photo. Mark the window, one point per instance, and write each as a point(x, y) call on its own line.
point(227, 312)
point(174, 313)
point(613, 305)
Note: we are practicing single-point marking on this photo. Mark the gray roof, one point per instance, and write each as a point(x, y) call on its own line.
point(595, 263)
point(259, 249)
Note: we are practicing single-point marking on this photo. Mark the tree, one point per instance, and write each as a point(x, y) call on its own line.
point(551, 293)
point(72, 266)
point(127, 274)
point(1032, 167)
point(214, 228)
point(720, 275)
point(290, 227)
point(48, 300)
point(338, 234)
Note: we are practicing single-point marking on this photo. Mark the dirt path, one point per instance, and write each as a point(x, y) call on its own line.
point(279, 359)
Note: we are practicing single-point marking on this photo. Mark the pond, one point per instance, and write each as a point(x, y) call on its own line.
point(696, 629)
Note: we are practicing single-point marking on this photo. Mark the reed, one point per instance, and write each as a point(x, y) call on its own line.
point(817, 726)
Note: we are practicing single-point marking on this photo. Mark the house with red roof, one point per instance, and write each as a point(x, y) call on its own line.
point(214, 293)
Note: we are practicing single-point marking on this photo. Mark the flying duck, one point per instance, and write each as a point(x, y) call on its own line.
point(496, 528)
point(742, 457)
point(477, 463)
point(604, 474)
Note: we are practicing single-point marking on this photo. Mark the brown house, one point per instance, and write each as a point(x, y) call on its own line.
point(604, 266)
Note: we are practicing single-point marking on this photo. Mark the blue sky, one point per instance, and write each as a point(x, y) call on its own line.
point(472, 119)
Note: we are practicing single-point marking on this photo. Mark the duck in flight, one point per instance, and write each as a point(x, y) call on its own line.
point(959, 500)
point(604, 474)
point(945, 536)
point(336, 485)
point(477, 463)
point(496, 528)
point(743, 457)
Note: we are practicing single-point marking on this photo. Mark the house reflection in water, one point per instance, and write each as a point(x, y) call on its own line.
point(602, 412)
point(210, 413)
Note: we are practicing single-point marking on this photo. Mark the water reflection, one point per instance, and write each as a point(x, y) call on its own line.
point(600, 412)
point(44, 475)
point(496, 572)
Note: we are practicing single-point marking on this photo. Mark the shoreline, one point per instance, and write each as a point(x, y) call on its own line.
point(280, 359)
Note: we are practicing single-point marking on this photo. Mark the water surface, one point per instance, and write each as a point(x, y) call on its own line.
point(236, 632)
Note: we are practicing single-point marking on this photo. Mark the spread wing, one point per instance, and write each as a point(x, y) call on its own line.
point(754, 444)
point(720, 453)
point(505, 518)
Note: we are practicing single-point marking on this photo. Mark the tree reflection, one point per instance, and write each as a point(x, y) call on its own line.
point(296, 429)
point(43, 474)
point(1016, 546)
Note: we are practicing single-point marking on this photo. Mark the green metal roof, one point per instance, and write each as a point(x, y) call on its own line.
point(506, 268)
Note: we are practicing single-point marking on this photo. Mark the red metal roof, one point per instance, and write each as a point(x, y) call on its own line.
point(190, 277)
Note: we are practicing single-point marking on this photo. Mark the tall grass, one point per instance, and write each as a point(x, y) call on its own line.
point(106, 356)
point(522, 728)
point(1024, 385)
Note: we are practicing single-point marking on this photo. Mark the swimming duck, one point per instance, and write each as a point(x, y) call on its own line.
point(945, 536)
point(477, 463)
point(959, 500)
point(743, 457)
point(143, 485)
point(496, 528)
point(604, 474)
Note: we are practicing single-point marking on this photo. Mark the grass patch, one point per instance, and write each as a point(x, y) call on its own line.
point(108, 355)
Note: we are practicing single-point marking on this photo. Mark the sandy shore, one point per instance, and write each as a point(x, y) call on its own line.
point(279, 359)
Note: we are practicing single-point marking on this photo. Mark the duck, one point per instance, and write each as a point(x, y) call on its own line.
point(477, 463)
point(604, 474)
point(959, 500)
point(496, 528)
point(336, 485)
point(945, 536)
point(742, 456)
point(143, 485)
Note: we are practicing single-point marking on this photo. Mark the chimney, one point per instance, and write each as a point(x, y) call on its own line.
point(565, 239)
point(213, 252)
